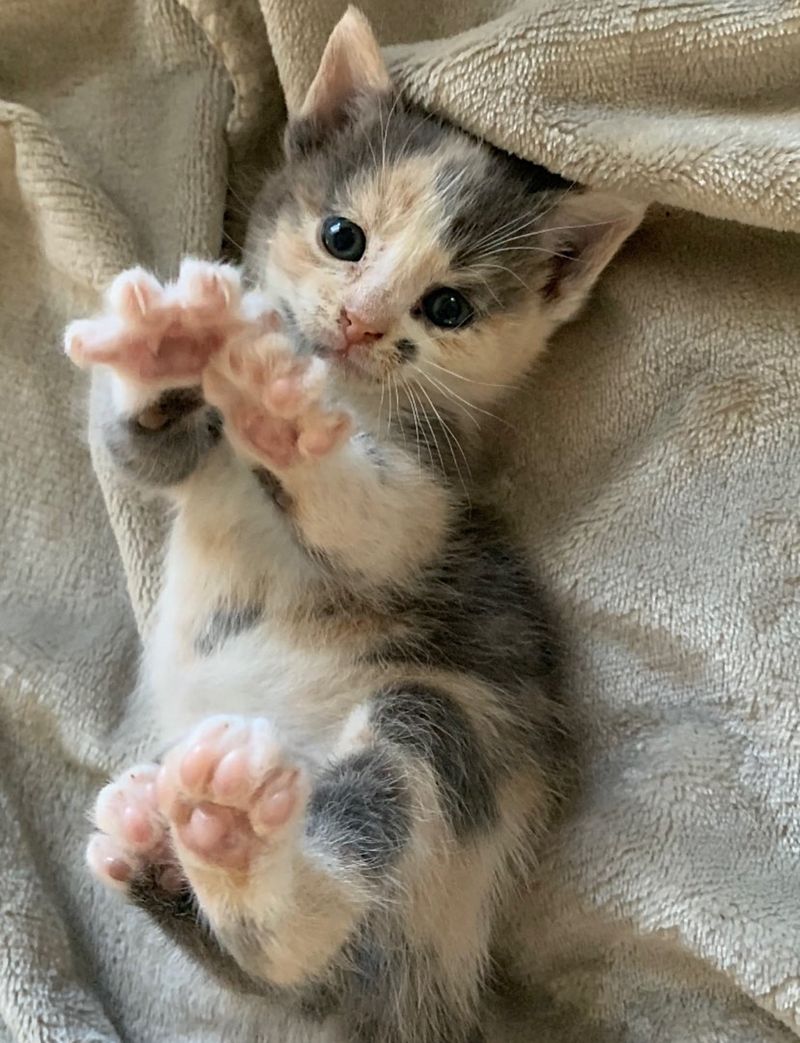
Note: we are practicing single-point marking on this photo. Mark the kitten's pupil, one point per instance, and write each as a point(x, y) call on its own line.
point(446, 308)
point(343, 239)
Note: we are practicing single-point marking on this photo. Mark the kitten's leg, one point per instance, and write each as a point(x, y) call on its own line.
point(370, 882)
point(131, 852)
point(155, 341)
point(348, 496)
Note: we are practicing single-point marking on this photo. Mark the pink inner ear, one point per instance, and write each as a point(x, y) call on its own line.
point(351, 64)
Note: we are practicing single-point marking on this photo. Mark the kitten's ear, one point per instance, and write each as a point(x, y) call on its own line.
point(584, 231)
point(351, 64)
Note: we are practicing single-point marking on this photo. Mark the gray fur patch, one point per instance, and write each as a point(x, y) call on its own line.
point(271, 485)
point(388, 991)
point(166, 443)
point(432, 725)
point(224, 624)
point(373, 453)
point(407, 348)
point(494, 206)
point(301, 343)
point(360, 808)
point(478, 611)
point(331, 157)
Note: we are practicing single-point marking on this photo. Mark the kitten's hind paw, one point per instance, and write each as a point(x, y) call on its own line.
point(231, 795)
point(163, 335)
point(132, 837)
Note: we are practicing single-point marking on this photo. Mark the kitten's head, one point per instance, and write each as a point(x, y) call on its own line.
point(408, 250)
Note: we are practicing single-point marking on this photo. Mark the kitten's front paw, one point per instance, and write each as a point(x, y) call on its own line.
point(162, 335)
point(232, 795)
point(132, 836)
point(273, 402)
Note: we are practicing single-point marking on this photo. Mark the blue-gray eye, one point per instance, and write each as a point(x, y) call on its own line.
point(446, 308)
point(343, 239)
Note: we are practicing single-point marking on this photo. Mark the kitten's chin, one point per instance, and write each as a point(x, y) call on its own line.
point(353, 365)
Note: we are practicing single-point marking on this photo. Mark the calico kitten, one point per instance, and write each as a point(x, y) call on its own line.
point(349, 662)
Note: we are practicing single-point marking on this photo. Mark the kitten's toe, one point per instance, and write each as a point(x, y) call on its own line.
point(110, 863)
point(136, 296)
point(127, 809)
point(322, 432)
point(91, 341)
point(291, 387)
point(207, 290)
point(132, 835)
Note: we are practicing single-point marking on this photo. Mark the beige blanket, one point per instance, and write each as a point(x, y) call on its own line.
point(654, 469)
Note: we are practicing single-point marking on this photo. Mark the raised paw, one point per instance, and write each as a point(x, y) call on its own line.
point(132, 836)
point(163, 335)
point(231, 793)
point(273, 401)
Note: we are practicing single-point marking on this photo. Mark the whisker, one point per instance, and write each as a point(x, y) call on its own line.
point(552, 228)
point(516, 224)
point(417, 432)
point(389, 421)
point(536, 249)
point(470, 405)
point(434, 439)
point(447, 433)
point(469, 380)
point(451, 395)
point(511, 227)
point(496, 246)
point(399, 410)
point(503, 268)
point(368, 140)
point(508, 228)
point(425, 119)
point(384, 137)
point(423, 413)
point(474, 270)
point(227, 235)
point(380, 406)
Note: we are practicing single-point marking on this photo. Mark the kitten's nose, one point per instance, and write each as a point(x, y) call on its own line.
point(358, 330)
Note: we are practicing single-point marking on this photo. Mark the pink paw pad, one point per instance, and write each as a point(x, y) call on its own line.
point(132, 834)
point(229, 790)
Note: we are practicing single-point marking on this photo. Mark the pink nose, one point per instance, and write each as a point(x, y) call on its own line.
point(357, 330)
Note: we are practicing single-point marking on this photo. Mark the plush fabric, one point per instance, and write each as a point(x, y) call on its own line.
point(652, 466)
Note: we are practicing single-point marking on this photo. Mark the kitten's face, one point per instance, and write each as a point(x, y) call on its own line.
point(407, 251)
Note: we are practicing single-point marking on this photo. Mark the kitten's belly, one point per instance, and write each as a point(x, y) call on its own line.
point(307, 693)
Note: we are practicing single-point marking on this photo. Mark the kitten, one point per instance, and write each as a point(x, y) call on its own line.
point(349, 663)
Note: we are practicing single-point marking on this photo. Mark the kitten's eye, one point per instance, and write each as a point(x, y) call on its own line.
point(447, 308)
point(343, 239)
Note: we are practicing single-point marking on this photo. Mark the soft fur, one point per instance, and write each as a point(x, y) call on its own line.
point(350, 665)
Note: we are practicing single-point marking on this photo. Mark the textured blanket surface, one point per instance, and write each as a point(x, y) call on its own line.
point(652, 466)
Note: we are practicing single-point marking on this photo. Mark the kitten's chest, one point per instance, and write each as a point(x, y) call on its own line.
point(216, 651)
point(306, 693)
point(243, 625)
